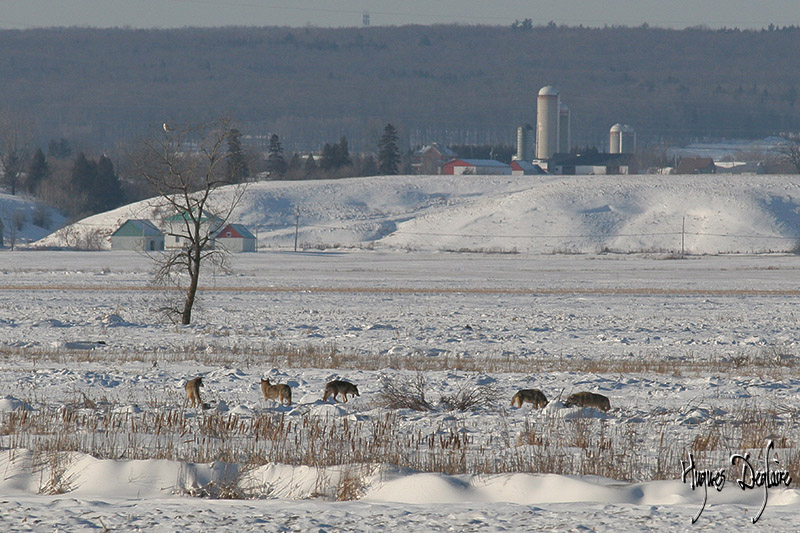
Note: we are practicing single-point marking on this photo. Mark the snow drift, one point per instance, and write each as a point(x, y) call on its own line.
point(706, 214)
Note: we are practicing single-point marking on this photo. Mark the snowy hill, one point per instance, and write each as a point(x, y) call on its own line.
point(542, 214)
point(23, 220)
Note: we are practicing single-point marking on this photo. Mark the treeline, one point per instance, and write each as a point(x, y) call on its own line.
point(81, 185)
point(76, 184)
point(452, 84)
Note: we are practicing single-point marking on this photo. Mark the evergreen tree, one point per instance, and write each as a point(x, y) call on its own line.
point(237, 169)
point(388, 152)
point(107, 192)
point(369, 167)
point(95, 186)
point(295, 162)
point(328, 158)
point(310, 167)
point(84, 173)
point(82, 179)
point(276, 164)
point(342, 153)
point(11, 165)
point(38, 172)
point(59, 149)
point(335, 156)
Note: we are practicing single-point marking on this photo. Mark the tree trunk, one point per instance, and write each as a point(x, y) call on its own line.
point(194, 281)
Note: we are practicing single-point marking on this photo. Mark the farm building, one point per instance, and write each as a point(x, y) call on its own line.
point(137, 234)
point(592, 163)
point(525, 168)
point(176, 234)
point(235, 238)
point(696, 165)
point(456, 167)
point(739, 167)
point(429, 159)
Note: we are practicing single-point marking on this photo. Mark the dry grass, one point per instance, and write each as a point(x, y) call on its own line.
point(771, 362)
point(648, 449)
point(545, 444)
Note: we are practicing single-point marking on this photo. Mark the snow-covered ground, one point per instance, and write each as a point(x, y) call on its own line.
point(685, 350)
point(468, 284)
point(23, 220)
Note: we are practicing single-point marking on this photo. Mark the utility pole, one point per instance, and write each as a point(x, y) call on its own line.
point(296, 225)
point(683, 234)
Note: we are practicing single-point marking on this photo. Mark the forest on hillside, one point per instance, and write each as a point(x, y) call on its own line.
point(453, 84)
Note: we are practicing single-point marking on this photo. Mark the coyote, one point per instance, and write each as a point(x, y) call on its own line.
point(534, 396)
point(279, 392)
point(588, 399)
point(336, 387)
point(193, 392)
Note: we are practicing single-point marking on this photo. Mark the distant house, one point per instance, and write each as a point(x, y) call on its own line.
point(739, 167)
point(430, 158)
point(176, 229)
point(235, 238)
point(525, 168)
point(456, 167)
point(696, 165)
point(592, 163)
point(137, 234)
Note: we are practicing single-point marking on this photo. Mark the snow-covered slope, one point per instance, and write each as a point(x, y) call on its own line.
point(24, 221)
point(529, 214)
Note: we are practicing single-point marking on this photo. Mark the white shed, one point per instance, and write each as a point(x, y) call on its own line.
point(137, 234)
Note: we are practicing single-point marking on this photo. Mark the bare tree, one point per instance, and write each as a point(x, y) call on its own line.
point(187, 167)
point(790, 152)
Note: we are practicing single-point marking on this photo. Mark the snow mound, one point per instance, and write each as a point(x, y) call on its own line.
point(542, 214)
point(9, 403)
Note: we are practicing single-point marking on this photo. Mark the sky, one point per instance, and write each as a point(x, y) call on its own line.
point(25, 14)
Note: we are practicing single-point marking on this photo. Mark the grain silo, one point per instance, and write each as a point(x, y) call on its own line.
point(614, 139)
point(547, 119)
point(564, 141)
point(621, 139)
point(525, 141)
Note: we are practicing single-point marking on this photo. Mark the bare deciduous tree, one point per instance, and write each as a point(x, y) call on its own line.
point(186, 167)
point(790, 152)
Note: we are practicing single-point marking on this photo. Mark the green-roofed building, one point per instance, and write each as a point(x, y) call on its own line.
point(177, 233)
point(137, 234)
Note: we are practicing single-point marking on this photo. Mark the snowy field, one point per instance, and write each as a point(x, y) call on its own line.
point(695, 354)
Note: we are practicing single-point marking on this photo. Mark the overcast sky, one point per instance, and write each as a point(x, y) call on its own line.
point(179, 13)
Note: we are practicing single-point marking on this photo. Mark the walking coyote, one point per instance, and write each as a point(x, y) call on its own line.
point(193, 392)
point(279, 392)
point(588, 399)
point(336, 387)
point(534, 396)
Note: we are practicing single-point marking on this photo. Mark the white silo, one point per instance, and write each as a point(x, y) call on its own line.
point(614, 139)
point(621, 139)
point(627, 143)
point(547, 114)
point(525, 140)
point(564, 141)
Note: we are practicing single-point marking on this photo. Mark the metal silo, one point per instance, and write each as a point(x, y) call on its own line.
point(627, 142)
point(547, 114)
point(525, 140)
point(621, 139)
point(614, 141)
point(564, 141)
